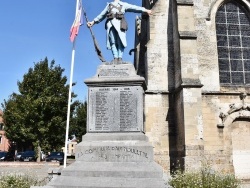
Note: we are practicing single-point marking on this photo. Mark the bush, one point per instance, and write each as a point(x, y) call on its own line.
point(17, 180)
point(204, 178)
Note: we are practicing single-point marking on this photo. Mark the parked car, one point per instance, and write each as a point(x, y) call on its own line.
point(18, 155)
point(6, 156)
point(55, 157)
point(2, 154)
point(28, 156)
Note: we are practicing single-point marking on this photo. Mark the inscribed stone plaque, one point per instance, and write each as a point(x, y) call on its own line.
point(113, 72)
point(115, 109)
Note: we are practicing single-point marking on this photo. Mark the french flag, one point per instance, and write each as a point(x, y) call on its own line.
point(77, 22)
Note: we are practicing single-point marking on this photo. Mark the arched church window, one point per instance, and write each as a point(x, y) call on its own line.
point(233, 43)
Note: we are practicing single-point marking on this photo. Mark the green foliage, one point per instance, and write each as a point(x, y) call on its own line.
point(78, 121)
point(38, 114)
point(15, 180)
point(205, 178)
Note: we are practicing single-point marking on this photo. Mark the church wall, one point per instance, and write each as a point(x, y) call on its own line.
point(188, 93)
point(176, 46)
point(184, 99)
point(215, 150)
point(215, 99)
point(178, 151)
point(159, 76)
point(157, 49)
point(156, 126)
point(240, 134)
point(204, 15)
point(207, 46)
point(218, 148)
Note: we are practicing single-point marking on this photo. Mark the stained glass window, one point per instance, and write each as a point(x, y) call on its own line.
point(233, 42)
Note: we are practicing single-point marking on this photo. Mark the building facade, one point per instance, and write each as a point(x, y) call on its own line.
point(4, 142)
point(195, 57)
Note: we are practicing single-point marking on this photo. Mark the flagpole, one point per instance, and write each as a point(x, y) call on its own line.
point(69, 102)
point(69, 99)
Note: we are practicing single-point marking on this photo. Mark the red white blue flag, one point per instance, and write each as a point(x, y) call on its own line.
point(77, 22)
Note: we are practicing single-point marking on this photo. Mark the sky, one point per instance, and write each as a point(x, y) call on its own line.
point(34, 29)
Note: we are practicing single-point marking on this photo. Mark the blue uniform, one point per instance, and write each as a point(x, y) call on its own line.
point(113, 25)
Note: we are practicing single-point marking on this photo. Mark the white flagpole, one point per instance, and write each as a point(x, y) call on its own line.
point(69, 99)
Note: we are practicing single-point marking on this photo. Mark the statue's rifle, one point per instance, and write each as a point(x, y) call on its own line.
point(97, 49)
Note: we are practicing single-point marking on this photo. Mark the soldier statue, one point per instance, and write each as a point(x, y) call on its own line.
point(116, 26)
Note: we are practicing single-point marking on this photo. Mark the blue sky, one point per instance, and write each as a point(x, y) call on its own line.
point(34, 29)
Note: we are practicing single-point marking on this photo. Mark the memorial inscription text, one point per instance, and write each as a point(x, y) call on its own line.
point(114, 108)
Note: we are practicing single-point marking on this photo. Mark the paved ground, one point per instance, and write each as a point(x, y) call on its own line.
point(246, 184)
point(41, 169)
point(35, 169)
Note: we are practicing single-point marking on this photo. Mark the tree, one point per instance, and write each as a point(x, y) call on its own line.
point(79, 120)
point(37, 116)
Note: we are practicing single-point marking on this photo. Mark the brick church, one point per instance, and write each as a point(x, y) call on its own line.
point(195, 57)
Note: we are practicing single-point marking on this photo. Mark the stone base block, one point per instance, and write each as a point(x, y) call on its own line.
point(114, 169)
point(109, 175)
point(112, 160)
point(110, 182)
point(114, 147)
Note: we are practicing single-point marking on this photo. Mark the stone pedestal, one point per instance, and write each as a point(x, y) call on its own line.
point(115, 152)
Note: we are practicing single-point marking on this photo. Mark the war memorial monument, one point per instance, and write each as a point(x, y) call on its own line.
point(196, 66)
point(114, 152)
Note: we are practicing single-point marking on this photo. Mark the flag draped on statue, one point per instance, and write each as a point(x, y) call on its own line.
point(77, 22)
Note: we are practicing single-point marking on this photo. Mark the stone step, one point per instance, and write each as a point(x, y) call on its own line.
point(111, 169)
point(105, 182)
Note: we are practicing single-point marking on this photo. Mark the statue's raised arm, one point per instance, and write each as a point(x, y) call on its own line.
point(116, 26)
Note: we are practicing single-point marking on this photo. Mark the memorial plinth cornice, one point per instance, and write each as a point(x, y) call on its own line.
point(116, 75)
point(113, 82)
